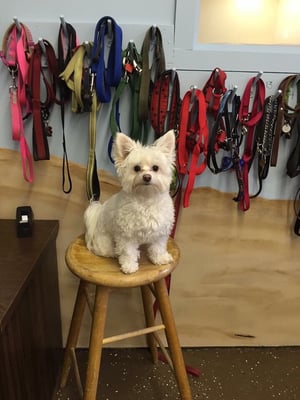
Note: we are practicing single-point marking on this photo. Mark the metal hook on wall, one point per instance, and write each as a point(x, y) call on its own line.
point(110, 34)
point(17, 23)
point(63, 24)
point(42, 45)
point(153, 33)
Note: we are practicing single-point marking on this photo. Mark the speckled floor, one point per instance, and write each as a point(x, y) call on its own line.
point(225, 373)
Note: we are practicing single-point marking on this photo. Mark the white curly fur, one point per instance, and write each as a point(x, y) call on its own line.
point(142, 212)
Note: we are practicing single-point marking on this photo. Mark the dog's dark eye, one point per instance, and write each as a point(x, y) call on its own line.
point(137, 168)
point(155, 168)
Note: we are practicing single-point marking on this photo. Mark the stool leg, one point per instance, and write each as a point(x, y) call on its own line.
point(74, 330)
point(150, 321)
point(172, 339)
point(96, 339)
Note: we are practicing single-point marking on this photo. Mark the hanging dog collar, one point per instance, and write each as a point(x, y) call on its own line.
point(107, 57)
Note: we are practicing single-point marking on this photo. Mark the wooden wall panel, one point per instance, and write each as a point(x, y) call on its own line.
point(238, 282)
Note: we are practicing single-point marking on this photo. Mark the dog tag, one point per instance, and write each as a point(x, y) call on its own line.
point(286, 128)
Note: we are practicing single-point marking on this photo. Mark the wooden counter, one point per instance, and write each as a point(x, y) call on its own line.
point(30, 324)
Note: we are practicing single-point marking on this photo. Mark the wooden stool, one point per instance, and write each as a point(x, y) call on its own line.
point(105, 274)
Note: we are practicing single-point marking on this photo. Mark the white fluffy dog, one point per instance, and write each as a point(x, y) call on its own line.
point(142, 212)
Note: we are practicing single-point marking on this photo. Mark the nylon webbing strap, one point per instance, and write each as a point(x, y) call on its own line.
point(107, 57)
point(220, 137)
point(192, 139)
point(249, 116)
point(214, 89)
point(130, 78)
point(43, 70)
point(17, 47)
point(74, 75)
point(92, 180)
point(152, 67)
point(80, 80)
point(67, 42)
point(165, 103)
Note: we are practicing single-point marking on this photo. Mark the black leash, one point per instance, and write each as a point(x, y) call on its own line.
point(67, 41)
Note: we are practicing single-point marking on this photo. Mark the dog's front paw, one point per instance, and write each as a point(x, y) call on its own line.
point(129, 267)
point(161, 258)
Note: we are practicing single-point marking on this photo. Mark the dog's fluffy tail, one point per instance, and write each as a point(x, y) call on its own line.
point(90, 221)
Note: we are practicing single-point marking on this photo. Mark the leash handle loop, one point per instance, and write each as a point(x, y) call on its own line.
point(107, 57)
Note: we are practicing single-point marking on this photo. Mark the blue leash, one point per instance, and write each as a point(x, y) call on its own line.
point(107, 57)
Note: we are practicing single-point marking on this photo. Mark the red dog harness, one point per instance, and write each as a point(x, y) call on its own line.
point(192, 139)
point(214, 89)
point(249, 116)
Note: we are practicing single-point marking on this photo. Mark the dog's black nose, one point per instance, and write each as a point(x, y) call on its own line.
point(147, 178)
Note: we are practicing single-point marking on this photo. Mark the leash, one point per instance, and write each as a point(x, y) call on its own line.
point(81, 81)
point(265, 136)
point(43, 69)
point(131, 79)
point(225, 136)
point(214, 89)
point(192, 139)
point(221, 136)
point(17, 47)
point(286, 114)
point(67, 42)
point(288, 123)
point(153, 65)
point(249, 116)
point(106, 63)
point(165, 103)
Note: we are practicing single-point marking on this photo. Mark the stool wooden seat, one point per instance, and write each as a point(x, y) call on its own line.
point(105, 274)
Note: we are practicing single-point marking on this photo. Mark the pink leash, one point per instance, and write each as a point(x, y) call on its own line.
point(16, 50)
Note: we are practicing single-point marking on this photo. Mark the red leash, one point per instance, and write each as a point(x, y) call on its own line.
point(16, 51)
point(46, 74)
point(249, 116)
point(192, 139)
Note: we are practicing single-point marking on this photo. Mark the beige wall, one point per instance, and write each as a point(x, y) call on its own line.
point(238, 282)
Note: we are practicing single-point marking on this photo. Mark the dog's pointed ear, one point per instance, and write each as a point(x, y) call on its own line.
point(122, 146)
point(166, 143)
